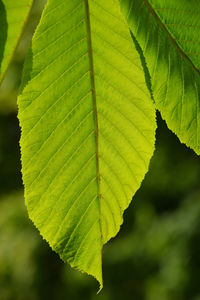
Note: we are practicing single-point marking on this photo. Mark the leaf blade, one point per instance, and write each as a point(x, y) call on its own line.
point(85, 103)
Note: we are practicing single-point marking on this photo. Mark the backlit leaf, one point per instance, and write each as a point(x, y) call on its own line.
point(88, 128)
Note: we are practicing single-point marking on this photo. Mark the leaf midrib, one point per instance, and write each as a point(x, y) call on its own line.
point(162, 25)
point(94, 98)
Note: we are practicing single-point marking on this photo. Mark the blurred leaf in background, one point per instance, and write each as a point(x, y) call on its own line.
point(155, 256)
point(10, 85)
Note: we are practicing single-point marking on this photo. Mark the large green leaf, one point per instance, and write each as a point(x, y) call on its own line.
point(88, 127)
point(13, 17)
point(168, 33)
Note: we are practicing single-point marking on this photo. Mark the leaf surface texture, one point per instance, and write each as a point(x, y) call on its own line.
point(88, 128)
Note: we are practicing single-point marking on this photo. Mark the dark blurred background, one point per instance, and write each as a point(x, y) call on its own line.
point(156, 255)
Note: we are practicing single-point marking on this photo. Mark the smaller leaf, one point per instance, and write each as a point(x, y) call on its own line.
point(168, 34)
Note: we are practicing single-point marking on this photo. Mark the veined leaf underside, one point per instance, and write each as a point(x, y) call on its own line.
point(88, 128)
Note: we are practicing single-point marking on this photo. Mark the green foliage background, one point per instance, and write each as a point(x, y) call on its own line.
point(154, 257)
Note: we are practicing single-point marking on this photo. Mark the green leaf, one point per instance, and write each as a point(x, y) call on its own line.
point(168, 33)
point(88, 128)
point(13, 18)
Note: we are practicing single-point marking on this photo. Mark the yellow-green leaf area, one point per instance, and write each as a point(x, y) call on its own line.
point(88, 128)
